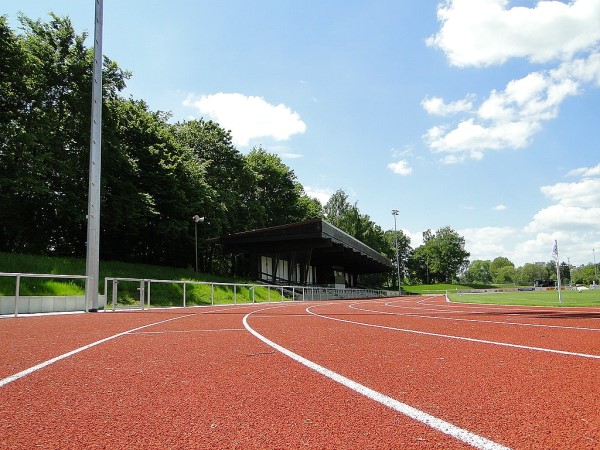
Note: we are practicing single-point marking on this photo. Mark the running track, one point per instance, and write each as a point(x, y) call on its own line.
point(401, 373)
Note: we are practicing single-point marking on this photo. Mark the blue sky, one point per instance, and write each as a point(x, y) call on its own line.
point(481, 115)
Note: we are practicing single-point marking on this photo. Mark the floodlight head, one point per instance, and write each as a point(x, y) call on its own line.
point(395, 212)
point(197, 218)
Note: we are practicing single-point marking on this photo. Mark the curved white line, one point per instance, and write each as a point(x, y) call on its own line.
point(460, 338)
point(459, 319)
point(409, 411)
point(37, 367)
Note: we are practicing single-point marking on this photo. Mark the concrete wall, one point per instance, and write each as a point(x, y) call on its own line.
point(42, 304)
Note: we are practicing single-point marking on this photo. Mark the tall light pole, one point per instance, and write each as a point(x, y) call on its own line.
point(395, 213)
point(92, 265)
point(196, 219)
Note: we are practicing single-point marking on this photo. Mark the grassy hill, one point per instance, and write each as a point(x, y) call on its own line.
point(167, 294)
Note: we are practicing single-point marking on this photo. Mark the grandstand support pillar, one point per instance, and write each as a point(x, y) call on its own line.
point(93, 231)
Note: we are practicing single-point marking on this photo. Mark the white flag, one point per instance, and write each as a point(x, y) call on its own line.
point(555, 251)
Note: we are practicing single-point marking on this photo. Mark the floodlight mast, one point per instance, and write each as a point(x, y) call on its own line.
point(93, 230)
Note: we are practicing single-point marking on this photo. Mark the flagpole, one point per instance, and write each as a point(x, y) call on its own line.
point(556, 258)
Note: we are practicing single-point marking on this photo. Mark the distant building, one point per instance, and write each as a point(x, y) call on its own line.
point(313, 253)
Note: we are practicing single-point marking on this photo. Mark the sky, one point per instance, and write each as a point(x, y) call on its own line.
point(480, 115)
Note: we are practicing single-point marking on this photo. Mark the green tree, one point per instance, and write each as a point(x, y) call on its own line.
point(44, 153)
point(441, 257)
point(235, 205)
point(151, 187)
point(478, 272)
point(278, 191)
point(505, 275)
point(495, 267)
point(530, 272)
point(405, 252)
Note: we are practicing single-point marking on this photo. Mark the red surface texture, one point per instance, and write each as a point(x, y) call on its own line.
point(197, 378)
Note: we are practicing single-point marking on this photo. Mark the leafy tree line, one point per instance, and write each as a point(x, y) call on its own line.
point(155, 175)
point(502, 271)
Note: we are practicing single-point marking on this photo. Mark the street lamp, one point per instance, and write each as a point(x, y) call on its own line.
point(196, 219)
point(395, 213)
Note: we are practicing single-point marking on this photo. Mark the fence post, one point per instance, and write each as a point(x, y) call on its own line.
point(142, 294)
point(17, 288)
point(253, 294)
point(114, 293)
point(212, 294)
point(235, 294)
point(149, 293)
point(184, 294)
point(105, 294)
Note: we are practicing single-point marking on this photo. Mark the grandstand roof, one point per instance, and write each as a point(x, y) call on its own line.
point(328, 245)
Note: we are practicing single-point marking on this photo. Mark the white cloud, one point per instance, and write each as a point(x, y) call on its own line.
point(584, 194)
point(321, 194)
point(400, 168)
point(500, 208)
point(586, 171)
point(561, 217)
point(436, 106)
point(486, 32)
point(510, 118)
point(487, 242)
point(288, 155)
point(248, 117)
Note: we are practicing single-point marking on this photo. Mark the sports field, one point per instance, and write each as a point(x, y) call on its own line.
point(396, 373)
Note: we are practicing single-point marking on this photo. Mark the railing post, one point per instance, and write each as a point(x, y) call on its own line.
point(149, 282)
point(253, 290)
point(142, 294)
point(105, 293)
point(212, 294)
point(114, 293)
point(17, 288)
point(184, 294)
point(235, 294)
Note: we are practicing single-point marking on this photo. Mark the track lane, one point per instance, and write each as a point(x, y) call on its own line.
point(478, 325)
point(523, 396)
point(199, 383)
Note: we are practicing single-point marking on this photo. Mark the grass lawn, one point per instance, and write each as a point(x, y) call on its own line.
point(532, 298)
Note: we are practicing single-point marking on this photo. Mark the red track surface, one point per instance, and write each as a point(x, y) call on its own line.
point(198, 378)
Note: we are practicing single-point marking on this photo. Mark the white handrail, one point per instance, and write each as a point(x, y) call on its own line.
point(19, 275)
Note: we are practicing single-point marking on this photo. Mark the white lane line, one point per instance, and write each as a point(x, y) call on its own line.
point(459, 319)
point(216, 330)
point(460, 338)
point(452, 430)
point(37, 367)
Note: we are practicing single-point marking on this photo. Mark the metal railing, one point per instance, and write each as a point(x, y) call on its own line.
point(236, 292)
point(274, 293)
point(18, 277)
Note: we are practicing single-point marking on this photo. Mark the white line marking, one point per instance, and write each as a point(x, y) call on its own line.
point(460, 338)
point(459, 319)
point(37, 367)
point(189, 331)
point(409, 411)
